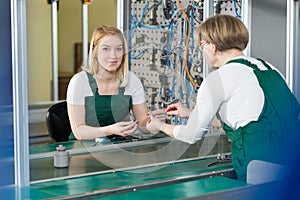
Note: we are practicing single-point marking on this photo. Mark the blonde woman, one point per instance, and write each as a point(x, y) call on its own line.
point(101, 97)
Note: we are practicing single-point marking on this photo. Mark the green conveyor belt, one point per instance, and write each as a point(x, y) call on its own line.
point(87, 177)
point(88, 159)
point(181, 190)
point(122, 180)
point(196, 188)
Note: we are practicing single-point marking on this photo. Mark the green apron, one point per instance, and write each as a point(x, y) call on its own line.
point(104, 110)
point(269, 137)
point(108, 109)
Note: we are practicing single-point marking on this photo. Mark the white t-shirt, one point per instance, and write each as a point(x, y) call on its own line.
point(79, 88)
point(232, 92)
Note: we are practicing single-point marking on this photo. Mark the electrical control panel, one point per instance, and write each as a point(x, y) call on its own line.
point(162, 49)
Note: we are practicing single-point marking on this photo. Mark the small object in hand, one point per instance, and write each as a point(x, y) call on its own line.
point(131, 117)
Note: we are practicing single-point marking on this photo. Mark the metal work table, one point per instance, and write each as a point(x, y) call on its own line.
point(86, 159)
point(110, 169)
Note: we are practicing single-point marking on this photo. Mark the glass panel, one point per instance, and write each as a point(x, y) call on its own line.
point(132, 154)
point(39, 43)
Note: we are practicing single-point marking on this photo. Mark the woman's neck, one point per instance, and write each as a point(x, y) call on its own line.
point(105, 77)
point(224, 57)
point(108, 87)
point(107, 83)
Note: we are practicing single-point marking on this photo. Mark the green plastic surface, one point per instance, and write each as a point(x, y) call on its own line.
point(181, 190)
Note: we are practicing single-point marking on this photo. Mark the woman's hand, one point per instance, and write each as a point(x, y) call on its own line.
point(154, 125)
point(178, 109)
point(159, 114)
point(123, 128)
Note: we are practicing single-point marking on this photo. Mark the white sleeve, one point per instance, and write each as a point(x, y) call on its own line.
point(78, 89)
point(209, 98)
point(135, 89)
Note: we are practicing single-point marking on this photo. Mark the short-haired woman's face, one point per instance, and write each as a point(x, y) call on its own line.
point(110, 53)
point(207, 50)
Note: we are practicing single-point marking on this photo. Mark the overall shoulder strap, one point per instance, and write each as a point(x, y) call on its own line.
point(265, 64)
point(245, 62)
point(92, 82)
point(248, 63)
point(121, 90)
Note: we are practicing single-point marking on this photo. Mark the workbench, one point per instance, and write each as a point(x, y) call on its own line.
point(159, 167)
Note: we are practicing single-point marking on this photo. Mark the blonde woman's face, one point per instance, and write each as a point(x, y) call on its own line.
point(110, 53)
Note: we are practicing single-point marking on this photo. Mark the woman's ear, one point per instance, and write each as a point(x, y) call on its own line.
point(214, 48)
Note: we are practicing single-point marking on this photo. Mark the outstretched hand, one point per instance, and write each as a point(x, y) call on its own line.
point(154, 125)
point(178, 109)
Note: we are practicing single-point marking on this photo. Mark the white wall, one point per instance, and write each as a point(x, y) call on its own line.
point(269, 35)
point(268, 31)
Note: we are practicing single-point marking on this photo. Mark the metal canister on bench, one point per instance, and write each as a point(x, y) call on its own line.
point(61, 157)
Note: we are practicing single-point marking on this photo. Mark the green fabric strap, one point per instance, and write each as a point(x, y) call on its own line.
point(92, 82)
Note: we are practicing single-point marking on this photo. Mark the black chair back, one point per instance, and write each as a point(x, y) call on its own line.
point(58, 123)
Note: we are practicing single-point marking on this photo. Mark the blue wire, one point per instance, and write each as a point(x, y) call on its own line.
point(143, 13)
point(191, 35)
point(235, 9)
point(139, 54)
point(135, 25)
point(155, 27)
point(192, 26)
point(173, 86)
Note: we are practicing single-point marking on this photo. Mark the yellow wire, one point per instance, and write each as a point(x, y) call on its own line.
point(187, 46)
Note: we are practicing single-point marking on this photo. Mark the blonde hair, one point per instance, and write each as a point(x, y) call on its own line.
point(92, 65)
point(224, 31)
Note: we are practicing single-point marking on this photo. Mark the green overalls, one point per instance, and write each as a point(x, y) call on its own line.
point(269, 137)
point(108, 109)
point(104, 110)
